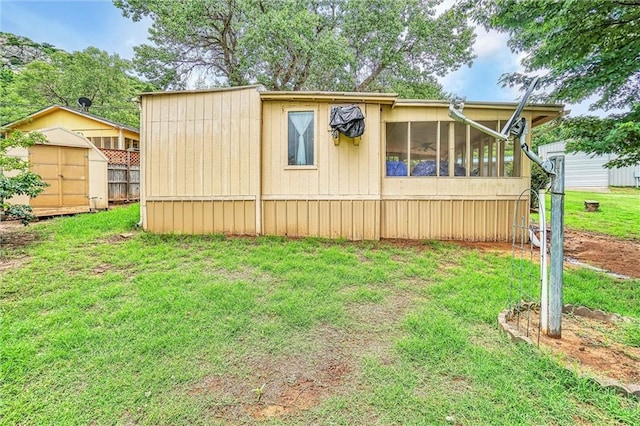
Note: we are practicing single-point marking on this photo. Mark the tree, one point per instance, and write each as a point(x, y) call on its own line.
point(16, 178)
point(581, 49)
point(619, 134)
point(346, 45)
point(91, 73)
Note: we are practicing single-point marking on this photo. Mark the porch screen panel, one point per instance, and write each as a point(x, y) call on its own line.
point(423, 145)
point(397, 154)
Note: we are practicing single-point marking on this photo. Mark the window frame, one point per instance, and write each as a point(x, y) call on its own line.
point(495, 149)
point(285, 147)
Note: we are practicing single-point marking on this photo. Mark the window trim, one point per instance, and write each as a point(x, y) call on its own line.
point(285, 146)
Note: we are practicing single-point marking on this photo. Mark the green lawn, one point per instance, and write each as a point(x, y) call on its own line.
point(619, 213)
point(98, 328)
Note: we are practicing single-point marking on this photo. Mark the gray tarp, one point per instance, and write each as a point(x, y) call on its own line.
point(347, 120)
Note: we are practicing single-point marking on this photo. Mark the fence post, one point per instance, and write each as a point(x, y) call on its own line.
point(128, 171)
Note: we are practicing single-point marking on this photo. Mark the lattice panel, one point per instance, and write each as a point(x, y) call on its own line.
point(117, 156)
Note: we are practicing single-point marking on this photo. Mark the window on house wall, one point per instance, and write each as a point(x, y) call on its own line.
point(432, 148)
point(301, 130)
point(131, 144)
point(104, 142)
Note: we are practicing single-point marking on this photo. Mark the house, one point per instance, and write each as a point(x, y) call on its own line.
point(103, 133)
point(585, 171)
point(118, 142)
point(74, 169)
point(244, 160)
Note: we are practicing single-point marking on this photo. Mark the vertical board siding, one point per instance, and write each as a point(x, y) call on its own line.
point(199, 152)
point(202, 217)
point(343, 170)
point(471, 220)
point(348, 219)
point(202, 144)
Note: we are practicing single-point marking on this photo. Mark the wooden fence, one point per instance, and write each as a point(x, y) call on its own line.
point(123, 175)
point(124, 183)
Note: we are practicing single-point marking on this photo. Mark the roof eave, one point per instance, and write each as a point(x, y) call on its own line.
point(359, 97)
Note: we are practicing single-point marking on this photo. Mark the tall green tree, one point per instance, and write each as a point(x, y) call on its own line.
point(16, 178)
point(104, 78)
point(348, 45)
point(580, 49)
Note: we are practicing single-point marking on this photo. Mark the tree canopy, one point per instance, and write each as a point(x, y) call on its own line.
point(344, 45)
point(580, 48)
point(92, 73)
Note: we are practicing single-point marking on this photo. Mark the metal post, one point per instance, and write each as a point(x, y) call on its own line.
point(557, 247)
point(544, 292)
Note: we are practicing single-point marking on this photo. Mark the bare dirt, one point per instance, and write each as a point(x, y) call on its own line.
point(588, 344)
point(609, 253)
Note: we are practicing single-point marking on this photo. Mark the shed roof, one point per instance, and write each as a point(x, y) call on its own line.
point(60, 136)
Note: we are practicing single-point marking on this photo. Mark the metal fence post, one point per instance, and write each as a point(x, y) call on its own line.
point(557, 247)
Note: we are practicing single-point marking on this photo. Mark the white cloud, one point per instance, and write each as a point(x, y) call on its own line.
point(489, 43)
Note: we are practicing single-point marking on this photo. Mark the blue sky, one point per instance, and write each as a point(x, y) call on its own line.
point(77, 24)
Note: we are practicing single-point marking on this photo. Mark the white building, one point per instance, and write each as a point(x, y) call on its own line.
point(583, 170)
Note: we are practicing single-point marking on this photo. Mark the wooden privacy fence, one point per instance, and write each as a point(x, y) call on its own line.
point(123, 175)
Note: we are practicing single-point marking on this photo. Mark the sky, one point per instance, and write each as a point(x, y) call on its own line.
point(77, 24)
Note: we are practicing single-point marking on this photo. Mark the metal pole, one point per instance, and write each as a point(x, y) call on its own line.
point(557, 247)
point(544, 292)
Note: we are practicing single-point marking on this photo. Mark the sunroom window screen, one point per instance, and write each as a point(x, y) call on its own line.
point(300, 151)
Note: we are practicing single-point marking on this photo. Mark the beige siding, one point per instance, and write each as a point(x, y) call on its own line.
point(200, 146)
point(202, 217)
point(349, 219)
point(343, 170)
point(472, 220)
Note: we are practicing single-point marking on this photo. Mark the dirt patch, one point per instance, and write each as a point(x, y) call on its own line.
point(118, 238)
point(588, 343)
point(604, 252)
point(6, 264)
point(277, 387)
point(14, 235)
point(608, 253)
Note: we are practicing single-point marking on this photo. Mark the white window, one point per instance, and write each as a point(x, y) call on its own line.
point(301, 131)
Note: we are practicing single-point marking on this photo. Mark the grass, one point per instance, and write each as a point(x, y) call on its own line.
point(105, 329)
point(619, 213)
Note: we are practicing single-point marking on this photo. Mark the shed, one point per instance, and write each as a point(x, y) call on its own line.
point(586, 171)
point(74, 169)
point(245, 160)
point(120, 143)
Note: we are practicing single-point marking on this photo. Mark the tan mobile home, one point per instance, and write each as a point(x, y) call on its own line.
point(248, 161)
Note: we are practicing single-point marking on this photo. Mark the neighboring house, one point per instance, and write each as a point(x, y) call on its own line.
point(101, 132)
point(74, 169)
point(587, 171)
point(248, 161)
point(119, 143)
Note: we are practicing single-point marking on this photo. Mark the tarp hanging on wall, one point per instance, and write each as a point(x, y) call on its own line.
point(347, 120)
